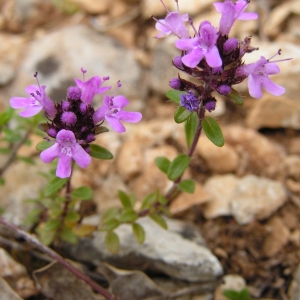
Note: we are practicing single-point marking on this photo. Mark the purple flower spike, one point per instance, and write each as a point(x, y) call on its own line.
point(189, 101)
point(201, 46)
point(33, 105)
point(258, 77)
point(233, 11)
point(66, 148)
point(90, 87)
point(112, 112)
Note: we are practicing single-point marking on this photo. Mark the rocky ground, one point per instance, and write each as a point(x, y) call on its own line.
point(243, 219)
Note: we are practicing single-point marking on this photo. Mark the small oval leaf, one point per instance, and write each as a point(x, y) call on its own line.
point(100, 152)
point(213, 131)
point(125, 199)
point(162, 163)
point(174, 95)
point(110, 213)
point(159, 220)
point(82, 193)
point(54, 186)
point(43, 145)
point(236, 97)
point(187, 186)
point(101, 129)
point(178, 166)
point(139, 233)
point(128, 215)
point(112, 242)
point(181, 114)
point(111, 224)
point(190, 128)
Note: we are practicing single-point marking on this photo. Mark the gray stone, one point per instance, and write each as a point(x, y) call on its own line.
point(6, 292)
point(59, 55)
point(294, 288)
point(7, 73)
point(166, 251)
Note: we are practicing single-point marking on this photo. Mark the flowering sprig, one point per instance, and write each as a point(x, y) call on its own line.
point(74, 123)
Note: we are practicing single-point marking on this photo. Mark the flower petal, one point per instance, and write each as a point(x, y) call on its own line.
point(272, 87)
point(271, 68)
point(78, 82)
point(213, 58)
point(81, 158)
point(120, 101)
point(64, 166)
point(30, 111)
point(32, 89)
point(254, 85)
point(193, 58)
point(115, 124)
point(128, 116)
point(19, 102)
point(187, 44)
point(50, 154)
point(99, 114)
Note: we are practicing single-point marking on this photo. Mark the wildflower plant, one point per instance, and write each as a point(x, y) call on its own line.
point(214, 61)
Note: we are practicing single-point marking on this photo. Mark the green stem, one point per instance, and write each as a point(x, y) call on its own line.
point(172, 193)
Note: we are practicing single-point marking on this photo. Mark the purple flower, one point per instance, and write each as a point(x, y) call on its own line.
point(173, 24)
point(233, 11)
point(189, 101)
point(258, 77)
point(36, 101)
point(112, 112)
point(203, 45)
point(91, 87)
point(66, 148)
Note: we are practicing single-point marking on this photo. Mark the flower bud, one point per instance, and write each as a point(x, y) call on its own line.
point(189, 101)
point(90, 138)
point(69, 118)
point(210, 105)
point(175, 83)
point(65, 105)
point(224, 89)
point(177, 62)
point(74, 93)
point(52, 132)
point(230, 45)
point(83, 108)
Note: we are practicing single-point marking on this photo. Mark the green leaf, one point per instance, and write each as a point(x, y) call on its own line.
point(181, 114)
point(100, 152)
point(125, 199)
point(213, 131)
point(1, 210)
point(4, 150)
point(236, 97)
point(128, 215)
point(6, 116)
point(46, 237)
point(178, 166)
point(52, 225)
point(174, 95)
point(187, 186)
point(139, 232)
point(159, 220)
point(2, 181)
point(67, 235)
point(162, 163)
point(54, 186)
point(111, 224)
point(112, 242)
point(33, 216)
point(11, 135)
point(149, 200)
point(190, 128)
point(27, 160)
point(237, 295)
point(110, 213)
point(43, 145)
point(101, 129)
point(72, 216)
point(82, 193)
point(43, 127)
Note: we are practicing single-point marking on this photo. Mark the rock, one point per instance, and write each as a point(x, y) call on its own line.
point(259, 155)
point(9, 267)
point(221, 188)
point(57, 282)
point(274, 112)
point(185, 202)
point(7, 73)
point(292, 166)
point(231, 282)
point(152, 178)
point(277, 238)
point(246, 199)
point(256, 198)
point(163, 250)
point(130, 159)
point(57, 66)
point(93, 7)
point(22, 182)
point(6, 292)
point(294, 288)
point(219, 159)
